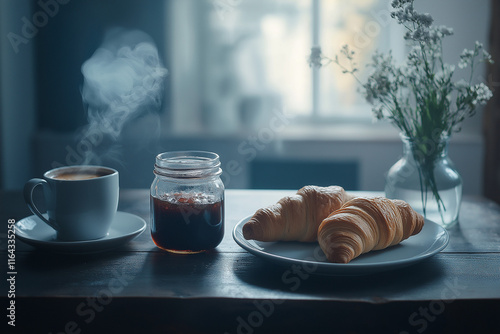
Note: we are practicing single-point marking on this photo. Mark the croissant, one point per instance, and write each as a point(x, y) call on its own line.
point(295, 217)
point(365, 224)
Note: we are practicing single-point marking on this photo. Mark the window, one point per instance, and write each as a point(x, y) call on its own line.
point(253, 57)
point(365, 25)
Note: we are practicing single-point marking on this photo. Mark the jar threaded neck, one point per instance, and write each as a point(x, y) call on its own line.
point(187, 164)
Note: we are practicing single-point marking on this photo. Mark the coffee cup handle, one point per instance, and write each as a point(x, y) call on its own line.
point(28, 198)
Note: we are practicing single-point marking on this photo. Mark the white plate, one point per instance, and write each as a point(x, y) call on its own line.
point(431, 240)
point(125, 227)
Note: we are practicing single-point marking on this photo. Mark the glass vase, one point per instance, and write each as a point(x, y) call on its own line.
point(426, 179)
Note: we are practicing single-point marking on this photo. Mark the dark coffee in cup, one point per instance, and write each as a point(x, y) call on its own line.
point(79, 175)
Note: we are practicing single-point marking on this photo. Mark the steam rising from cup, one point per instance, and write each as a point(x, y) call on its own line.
point(123, 79)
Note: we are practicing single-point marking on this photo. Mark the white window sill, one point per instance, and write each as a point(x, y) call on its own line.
point(382, 132)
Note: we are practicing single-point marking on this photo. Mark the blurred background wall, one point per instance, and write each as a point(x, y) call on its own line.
point(238, 84)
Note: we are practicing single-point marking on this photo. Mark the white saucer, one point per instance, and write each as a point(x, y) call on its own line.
point(125, 227)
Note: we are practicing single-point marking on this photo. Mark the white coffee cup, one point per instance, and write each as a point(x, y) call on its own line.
point(81, 200)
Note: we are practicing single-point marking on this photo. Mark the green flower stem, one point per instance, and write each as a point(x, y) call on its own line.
point(425, 161)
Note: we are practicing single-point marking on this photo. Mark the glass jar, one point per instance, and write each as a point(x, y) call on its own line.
point(427, 180)
point(187, 202)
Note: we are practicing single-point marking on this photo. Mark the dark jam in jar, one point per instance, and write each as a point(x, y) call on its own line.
point(187, 222)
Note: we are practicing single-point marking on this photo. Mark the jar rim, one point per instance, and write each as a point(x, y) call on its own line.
point(187, 164)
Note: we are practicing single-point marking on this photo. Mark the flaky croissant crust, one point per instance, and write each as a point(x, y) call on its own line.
point(365, 224)
point(295, 217)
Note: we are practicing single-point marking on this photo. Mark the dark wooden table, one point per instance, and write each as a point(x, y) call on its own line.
point(138, 288)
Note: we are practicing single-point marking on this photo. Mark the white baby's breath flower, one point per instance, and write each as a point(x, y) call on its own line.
point(378, 112)
point(461, 84)
point(400, 3)
point(444, 75)
point(467, 54)
point(445, 31)
point(482, 92)
point(487, 57)
point(466, 58)
point(424, 19)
